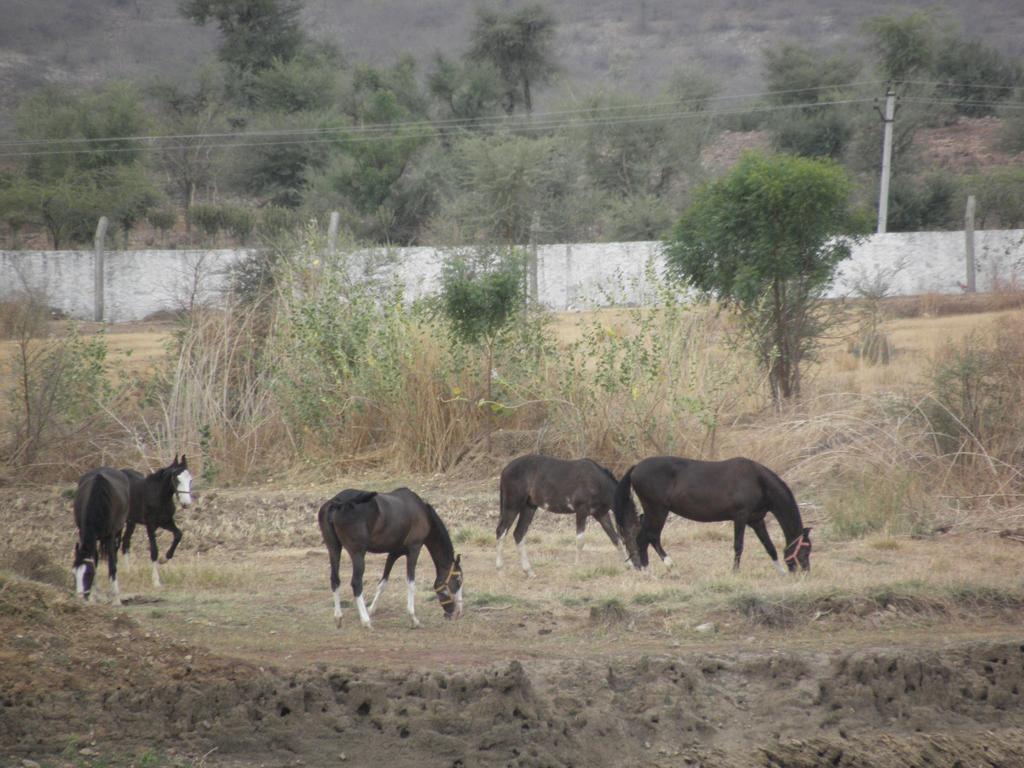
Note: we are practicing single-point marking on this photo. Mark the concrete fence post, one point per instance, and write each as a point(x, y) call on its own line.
point(969, 243)
point(332, 233)
point(98, 268)
point(532, 286)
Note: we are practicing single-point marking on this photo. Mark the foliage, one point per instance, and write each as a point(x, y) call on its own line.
point(253, 34)
point(467, 91)
point(766, 240)
point(60, 385)
point(797, 75)
point(519, 46)
point(305, 83)
point(905, 45)
point(999, 194)
point(976, 76)
point(923, 203)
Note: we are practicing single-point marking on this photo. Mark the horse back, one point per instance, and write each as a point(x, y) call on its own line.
point(700, 490)
point(102, 501)
point(559, 485)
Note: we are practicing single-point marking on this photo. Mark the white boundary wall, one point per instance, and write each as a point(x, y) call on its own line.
point(570, 276)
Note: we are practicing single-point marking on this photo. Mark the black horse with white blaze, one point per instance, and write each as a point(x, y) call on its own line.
point(581, 487)
point(100, 509)
point(396, 523)
point(739, 490)
point(151, 504)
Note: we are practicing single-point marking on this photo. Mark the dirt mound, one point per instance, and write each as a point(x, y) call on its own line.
point(79, 674)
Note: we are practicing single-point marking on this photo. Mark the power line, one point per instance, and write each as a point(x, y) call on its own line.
point(428, 131)
point(487, 121)
point(955, 85)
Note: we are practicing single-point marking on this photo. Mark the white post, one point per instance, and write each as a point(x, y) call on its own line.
point(97, 269)
point(332, 233)
point(533, 297)
point(969, 243)
point(883, 190)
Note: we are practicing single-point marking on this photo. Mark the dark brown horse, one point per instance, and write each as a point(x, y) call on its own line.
point(739, 490)
point(151, 503)
point(101, 508)
point(582, 488)
point(396, 523)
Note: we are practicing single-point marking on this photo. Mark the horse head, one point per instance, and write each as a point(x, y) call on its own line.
point(182, 480)
point(798, 551)
point(449, 590)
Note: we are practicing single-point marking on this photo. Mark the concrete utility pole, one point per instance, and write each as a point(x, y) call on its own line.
point(969, 243)
point(97, 270)
point(332, 233)
point(531, 286)
point(883, 190)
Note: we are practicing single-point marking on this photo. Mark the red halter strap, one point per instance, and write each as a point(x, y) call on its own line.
point(797, 544)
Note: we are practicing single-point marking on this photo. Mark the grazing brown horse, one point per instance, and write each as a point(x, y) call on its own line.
point(582, 488)
point(151, 504)
point(396, 523)
point(739, 490)
point(100, 508)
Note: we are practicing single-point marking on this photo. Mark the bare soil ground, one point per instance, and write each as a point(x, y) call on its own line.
point(893, 652)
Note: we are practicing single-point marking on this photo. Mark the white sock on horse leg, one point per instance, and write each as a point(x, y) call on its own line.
point(779, 567)
point(364, 616)
point(524, 561)
point(579, 547)
point(115, 592)
point(411, 602)
point(667, 561)
point(80, 580)
point(376, 595)
point(156, 575)
point(501, 542)
point(337, 606)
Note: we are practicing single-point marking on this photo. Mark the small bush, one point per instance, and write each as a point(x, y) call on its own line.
point(869, 503)
point(162, 219)
point(206, 218)
point(276, 221)
point(238, 222)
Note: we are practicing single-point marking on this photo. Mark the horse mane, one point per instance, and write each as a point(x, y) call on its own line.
point(783, 502)
point(441, 529)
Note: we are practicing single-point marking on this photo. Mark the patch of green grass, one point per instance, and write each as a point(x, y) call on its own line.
point(472, 534)
point(575, 602)
point(886, 544)
point(479, 599)
point(663, 596)
point(599, 572)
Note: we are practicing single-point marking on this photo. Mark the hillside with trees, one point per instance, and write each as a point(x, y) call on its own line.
point(484, 124)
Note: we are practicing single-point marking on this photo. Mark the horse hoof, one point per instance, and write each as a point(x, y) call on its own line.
point(531, 575)
point(415, 624)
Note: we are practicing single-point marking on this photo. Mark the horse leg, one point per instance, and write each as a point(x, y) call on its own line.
point(176, 532)
point(525, 518)
point(581, 528)
point(388, 565)
point(115, 592)
point(410, 577)
point(739, 526)
point(508, 516)
point(604, 519)
point(334, 553)
point(762, 533)
point(154, 553)
point(358, 566)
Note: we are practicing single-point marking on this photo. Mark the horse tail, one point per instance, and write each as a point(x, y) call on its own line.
point(97, 504)
point(781, 502)
point(325, 519)
point(623, 507)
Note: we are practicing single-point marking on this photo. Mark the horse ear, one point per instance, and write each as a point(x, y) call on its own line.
point(458, 560)
point(184, 461)
point(175, 460)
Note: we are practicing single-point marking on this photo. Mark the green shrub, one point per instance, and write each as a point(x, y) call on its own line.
point(871, 502)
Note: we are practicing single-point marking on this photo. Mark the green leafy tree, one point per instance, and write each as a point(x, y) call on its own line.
point(923, 202)
point(797, 75)
point(999, 194)
point(193, 115)
point(254, 33)
point(480, 295)
point(520, 46)
point(904, 46)
point(466, 91)
point(975, 75)
point(766, 239)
